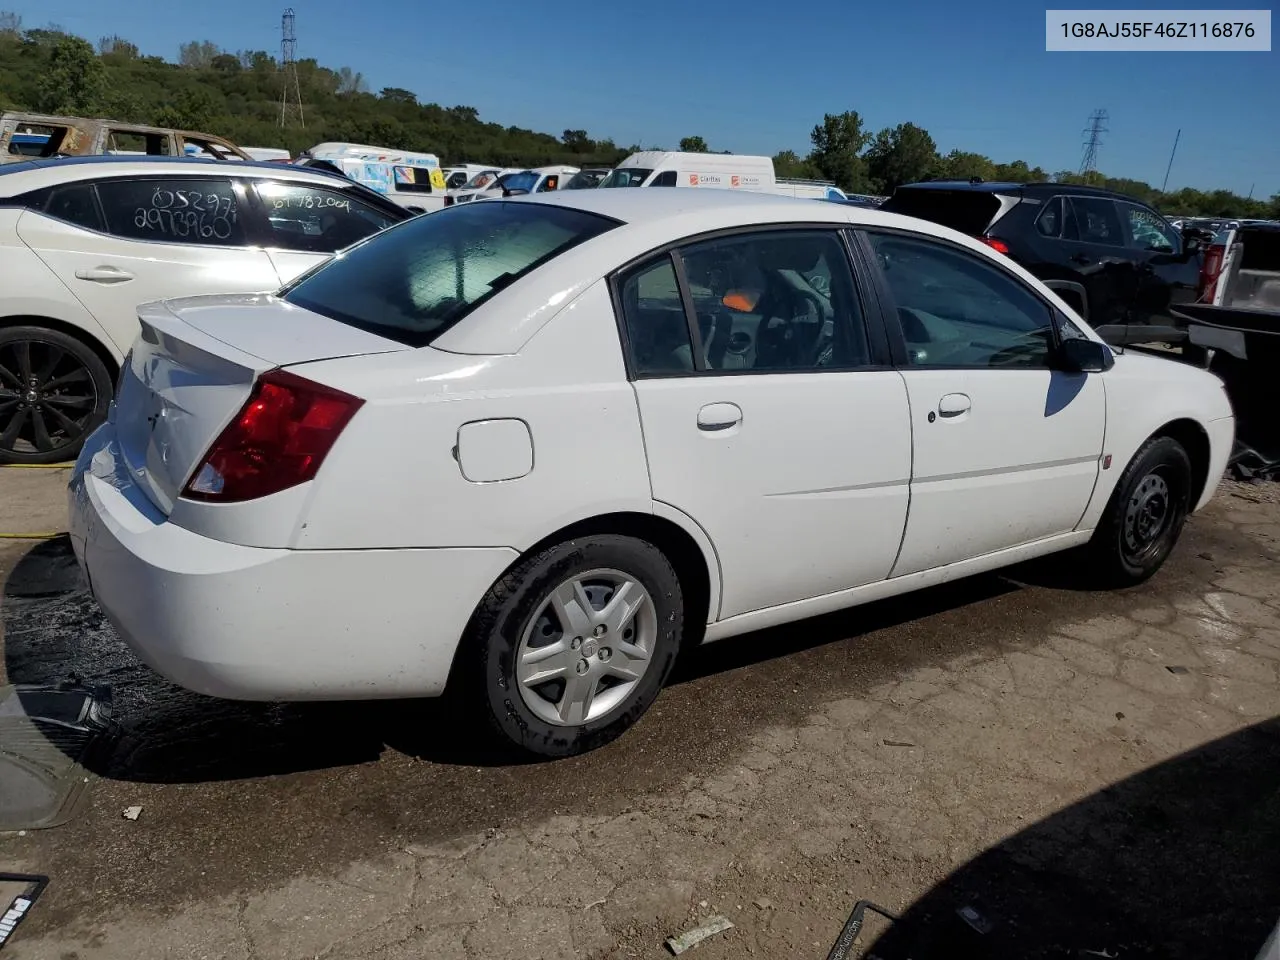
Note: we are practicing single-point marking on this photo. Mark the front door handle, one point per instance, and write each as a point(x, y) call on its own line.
point(105, 274)
point(953, 405)
point(719, 416)
point(1081, 258)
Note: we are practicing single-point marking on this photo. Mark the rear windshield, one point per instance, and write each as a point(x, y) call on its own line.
point(413, 282)
point(969, 211)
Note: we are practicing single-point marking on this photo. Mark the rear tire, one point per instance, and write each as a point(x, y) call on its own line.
point(1145, 516)
point(54, 392)
point(572, 645)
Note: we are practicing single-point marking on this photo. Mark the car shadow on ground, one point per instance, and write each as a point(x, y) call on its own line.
point(54, 631)
point(1179, 861)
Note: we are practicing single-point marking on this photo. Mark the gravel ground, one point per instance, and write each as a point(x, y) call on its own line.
point(1086, 771)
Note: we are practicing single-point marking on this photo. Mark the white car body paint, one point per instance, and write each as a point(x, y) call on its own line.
point(359, 583)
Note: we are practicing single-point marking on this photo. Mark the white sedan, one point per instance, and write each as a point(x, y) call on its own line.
point(527, 449)
point(84, 240)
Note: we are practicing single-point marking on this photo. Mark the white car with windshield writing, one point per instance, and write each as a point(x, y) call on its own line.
point(528, 449)
point(83, 241)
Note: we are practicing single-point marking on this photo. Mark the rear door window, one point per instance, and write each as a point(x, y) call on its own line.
point(203, 211)
point(412, 283)
point(315, 219)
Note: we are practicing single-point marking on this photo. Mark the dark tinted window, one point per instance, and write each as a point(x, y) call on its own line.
point(667, 178)
point(1097, 221)
point(75, 203)
point(957, 311)
point(413, 283)
point(413, 179)
point(315, 219)
point(456, 179)
point(969, 211)
point(196, 211)
point(1049, 222)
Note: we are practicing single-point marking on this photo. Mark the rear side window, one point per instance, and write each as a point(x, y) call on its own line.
point(414, 179)
point(415, 282)
point(191, 211)
point(969, 211)
point(667, 178)
point(76, 204)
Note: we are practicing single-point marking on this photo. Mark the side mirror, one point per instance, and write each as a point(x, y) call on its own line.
point(1085, 356)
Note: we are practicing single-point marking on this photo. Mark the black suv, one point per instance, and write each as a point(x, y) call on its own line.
point(1116, 261)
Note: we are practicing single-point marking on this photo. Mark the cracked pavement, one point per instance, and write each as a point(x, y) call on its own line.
point(887, 752)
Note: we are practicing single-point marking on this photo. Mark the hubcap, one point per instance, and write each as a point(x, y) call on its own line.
point(586, 647)
point(47, 397)
point(1147, 514)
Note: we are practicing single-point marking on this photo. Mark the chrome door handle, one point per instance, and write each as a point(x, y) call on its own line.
point(719, 416)
point(105, 274)
point(953, 405)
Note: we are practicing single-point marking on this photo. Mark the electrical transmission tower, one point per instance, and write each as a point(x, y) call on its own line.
point(1093, 140)
point(291, 90)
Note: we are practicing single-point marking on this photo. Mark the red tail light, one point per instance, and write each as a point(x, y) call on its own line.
point(448, 200)
point(999, 246)
point(1210, 271)
point(277, 441)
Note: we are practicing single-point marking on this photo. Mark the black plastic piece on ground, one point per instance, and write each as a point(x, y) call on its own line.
point(853, 926)
point(21, 905)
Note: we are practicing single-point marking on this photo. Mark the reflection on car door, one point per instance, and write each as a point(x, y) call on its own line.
point(1006, 449)
point(118, 243)
point(764, 419)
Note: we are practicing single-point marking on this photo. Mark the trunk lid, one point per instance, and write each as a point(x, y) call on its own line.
point(961, 208)
point(192, 368)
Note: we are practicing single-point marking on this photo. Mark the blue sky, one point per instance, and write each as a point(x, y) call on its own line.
point(754, 76)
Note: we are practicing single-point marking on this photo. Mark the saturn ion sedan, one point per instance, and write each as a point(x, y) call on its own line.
point(525, 451)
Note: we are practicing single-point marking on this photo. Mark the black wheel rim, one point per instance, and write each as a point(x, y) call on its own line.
point(47, 398)
point(1149, 515)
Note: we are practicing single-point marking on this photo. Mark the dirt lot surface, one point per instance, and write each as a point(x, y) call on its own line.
point(1085, 771)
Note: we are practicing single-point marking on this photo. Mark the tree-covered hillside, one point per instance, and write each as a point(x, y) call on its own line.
point(237, 95)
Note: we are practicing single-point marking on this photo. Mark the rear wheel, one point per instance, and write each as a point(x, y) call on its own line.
point(572, 646)
point(1145, 516)
point(54, 390)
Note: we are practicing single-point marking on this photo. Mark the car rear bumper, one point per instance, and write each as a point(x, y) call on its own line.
point(250, 623)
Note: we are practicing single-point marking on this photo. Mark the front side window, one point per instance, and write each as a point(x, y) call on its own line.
point(315, 219)
point(1097, 221)
point(957, 311)
point(203, 211)
point(456, 179)
point(412, 283)
point(1148, 230)
point(770, 302)
point(625, 177)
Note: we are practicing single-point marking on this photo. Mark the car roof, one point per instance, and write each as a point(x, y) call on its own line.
point(1001, 186)
point(33, 174)
point(635, 205)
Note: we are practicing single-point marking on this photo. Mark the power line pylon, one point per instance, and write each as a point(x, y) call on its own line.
point(1093, 140)
point(291, 89)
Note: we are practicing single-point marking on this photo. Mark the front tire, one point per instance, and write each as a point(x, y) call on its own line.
point(1145, 516)
point(54, 391)
point(573, 645)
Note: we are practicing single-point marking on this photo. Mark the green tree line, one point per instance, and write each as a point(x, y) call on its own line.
point(237, 95)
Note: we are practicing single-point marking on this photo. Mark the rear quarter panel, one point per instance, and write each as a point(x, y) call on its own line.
point(1144, 395)
point(392, 479)
point(30, 291)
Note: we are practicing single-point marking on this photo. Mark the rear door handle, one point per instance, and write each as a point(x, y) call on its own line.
point(719, 416)
point(106, 274)
point(953, 404)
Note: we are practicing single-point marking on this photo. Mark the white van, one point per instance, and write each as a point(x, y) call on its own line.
point(516, 183)
point(277, 154)
point(729, 171)
point(458, 175)
point(412, 180)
